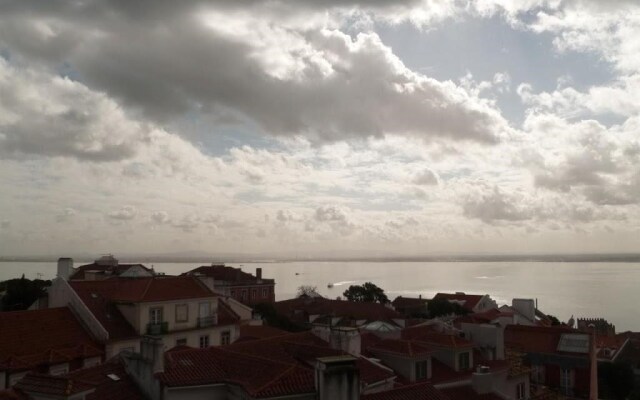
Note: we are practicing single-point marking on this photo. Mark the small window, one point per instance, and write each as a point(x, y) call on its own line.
point(181, 342)
point(463, 361)
point(233, 293)
point(243, 295)
point(265, 293)
point(155, 315)
point(225, 337)
point(421, 370)
point(253, 294)
point(204, 341)
point(566, 381)
point(520, 391)
point(182, 313)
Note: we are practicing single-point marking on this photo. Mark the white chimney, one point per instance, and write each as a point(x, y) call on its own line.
point(337, 378)
point(526, 307)
point(65, 268)
point(482, 380)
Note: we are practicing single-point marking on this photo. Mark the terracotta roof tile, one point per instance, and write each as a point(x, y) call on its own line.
point(293, 308)
point(34, 337)
point(536, 339)
point(115, 270)
point(468, 300)
point(409, 348)
point(467, 393)
point(434, 338)
point(418, 391)
point(253, 332)
point(94, 380)
point(226, 274)
point(276, 366)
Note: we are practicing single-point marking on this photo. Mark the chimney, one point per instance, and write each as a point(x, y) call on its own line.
point(525, 307)
point(337, 378)
point(152, 351)
point(65, 268)
point(259, 273)
point(482, 380)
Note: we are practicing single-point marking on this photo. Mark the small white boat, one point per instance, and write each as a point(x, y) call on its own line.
point(330, 285)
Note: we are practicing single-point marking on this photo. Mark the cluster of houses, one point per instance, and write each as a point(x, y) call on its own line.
point(108, 330)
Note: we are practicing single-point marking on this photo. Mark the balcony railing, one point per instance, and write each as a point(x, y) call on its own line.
point(158, 328)
point(203, 322)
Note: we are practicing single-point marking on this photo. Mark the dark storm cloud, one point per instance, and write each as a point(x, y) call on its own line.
point(289, 78)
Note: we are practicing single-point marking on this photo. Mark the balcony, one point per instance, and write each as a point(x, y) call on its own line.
point(158, 328)
point(204, 322)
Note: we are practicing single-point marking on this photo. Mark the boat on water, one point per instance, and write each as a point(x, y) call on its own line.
point(330, 285)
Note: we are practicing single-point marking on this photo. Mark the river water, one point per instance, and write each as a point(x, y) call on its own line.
point(608, 290)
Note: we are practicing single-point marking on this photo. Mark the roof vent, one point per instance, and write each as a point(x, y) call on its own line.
point(113, 377)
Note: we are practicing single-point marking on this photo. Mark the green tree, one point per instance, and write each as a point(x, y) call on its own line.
point(615, 380)
point(554, 320)
point(308, 291)
point(368, 292)
point(441, 307)
point(271, 318)
point(21, 293)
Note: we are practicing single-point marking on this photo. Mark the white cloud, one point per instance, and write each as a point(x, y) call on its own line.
point(125, 213)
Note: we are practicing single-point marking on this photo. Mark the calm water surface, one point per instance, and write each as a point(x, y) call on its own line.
point(609, 290)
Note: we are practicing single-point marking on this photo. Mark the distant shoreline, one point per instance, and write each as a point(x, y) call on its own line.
point(569, 258)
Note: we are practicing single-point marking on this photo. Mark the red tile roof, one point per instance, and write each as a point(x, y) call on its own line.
point(115, 270)
point(34, 337)
point(223, 273)
point(436, 338)
point(442, 373)
point(138, 290)
point(467, 393)
point(96, 380)
point(51, 385)
point(535, 339)
point(418, 391)
point(483, 317)
point(409, 348)
point(468, 300)
point(339, 308)
point(270, 367)
point(409, 302)
point(253, 332)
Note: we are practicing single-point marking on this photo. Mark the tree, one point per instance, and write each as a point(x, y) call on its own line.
point(554, 320)
point(21, 293)
point(308, 291)
point(615, 380)
point(368, 293)
point(442, 307)
point(271, 318)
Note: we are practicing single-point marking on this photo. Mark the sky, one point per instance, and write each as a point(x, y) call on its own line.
point(319, 128)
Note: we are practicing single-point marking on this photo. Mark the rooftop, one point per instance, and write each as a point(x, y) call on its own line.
point(540, 339)
point(467, 301)
point(276, 366)
point(222, 273)
point(33, 337)
point(410, 348)
point(418, 391)
point(338, 308)
point(115, 270)
point(108, 381)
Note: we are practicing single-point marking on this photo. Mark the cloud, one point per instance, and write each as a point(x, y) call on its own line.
point(53, 116)
point(66, 215)
point(495, 206)
point(160, 217)
point(426, 177)
point(123, 214)
point(288, 79)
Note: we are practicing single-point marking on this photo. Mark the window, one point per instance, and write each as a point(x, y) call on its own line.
point(204, 341)
point(155, 315)
point(243, 294)
point(265, 293)
point(566, 381)
point(225, 337)
point(421, 369)
point(182, 313)
point(463, 361)
point(204, 310)
point(520, 391)
point(537, 374)
point(253, 294)
point(181, 342)
point(233, 293)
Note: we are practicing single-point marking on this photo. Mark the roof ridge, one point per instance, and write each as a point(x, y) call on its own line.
point(258, 390)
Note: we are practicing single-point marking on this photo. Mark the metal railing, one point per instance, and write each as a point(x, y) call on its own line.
point(207, 321)
point(157, 328)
